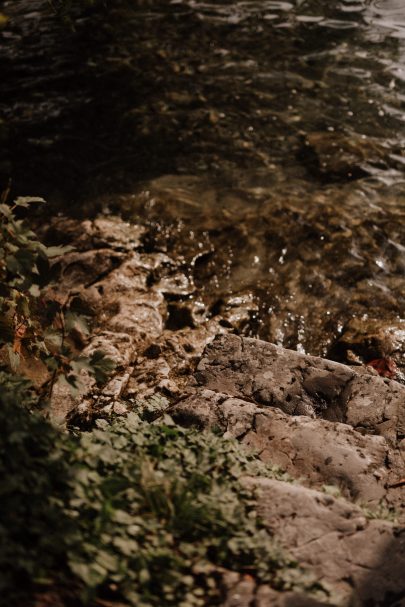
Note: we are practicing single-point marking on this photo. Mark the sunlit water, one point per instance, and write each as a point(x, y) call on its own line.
point(262, 140)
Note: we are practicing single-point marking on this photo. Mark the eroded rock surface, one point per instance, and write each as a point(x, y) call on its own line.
point(359, 559)
point(363, 561)
point(143, 313)
point(326, 426)
point(298, 384)
point(316, 451)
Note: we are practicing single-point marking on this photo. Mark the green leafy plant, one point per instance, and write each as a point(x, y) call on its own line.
point(138, 511)
point(381, 511)
point(30, 324)
point(33, 490)
point(148, 514)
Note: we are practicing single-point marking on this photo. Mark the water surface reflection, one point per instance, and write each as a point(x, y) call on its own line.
point(263, 141)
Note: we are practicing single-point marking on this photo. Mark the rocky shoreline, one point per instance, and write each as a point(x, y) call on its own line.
point(338, 431)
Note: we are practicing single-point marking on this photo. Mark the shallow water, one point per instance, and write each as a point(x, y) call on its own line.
point(261, 140)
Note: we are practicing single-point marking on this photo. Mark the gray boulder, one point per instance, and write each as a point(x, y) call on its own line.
point(298, 384)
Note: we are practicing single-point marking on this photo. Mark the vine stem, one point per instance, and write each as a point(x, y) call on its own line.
point(63, 337)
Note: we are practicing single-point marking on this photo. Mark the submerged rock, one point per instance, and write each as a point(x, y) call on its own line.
point(334, 156)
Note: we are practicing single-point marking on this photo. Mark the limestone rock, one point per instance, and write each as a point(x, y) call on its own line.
point(245, 593)
point(322, 422)
point(315, 451)
point(136, 301)
point(363, 561)
point(299, 384)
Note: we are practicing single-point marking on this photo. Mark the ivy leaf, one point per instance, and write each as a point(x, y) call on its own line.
point(6, 211)
point(101, 366)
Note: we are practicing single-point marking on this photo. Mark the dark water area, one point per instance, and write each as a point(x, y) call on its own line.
point(262, 142)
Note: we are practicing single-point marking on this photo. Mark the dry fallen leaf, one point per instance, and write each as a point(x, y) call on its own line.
point(385, 367)
point(19, 333)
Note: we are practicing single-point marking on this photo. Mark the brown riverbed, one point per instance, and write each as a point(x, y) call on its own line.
point(260, 142)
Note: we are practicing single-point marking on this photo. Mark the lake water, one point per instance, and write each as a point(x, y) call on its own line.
point(262, 142)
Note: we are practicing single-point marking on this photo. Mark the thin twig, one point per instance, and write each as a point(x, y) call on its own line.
point(400, 483)
point(170, 407)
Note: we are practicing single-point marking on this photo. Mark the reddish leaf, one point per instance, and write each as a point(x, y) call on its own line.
point(385, 367)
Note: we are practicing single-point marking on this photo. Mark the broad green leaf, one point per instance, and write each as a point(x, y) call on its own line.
point(101, 366)
point(89, 574)
point(121, 517)
point(106, 560)
point(6, 211)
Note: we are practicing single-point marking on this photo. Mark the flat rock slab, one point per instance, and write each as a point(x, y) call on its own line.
point(363, 561)
point(316, 451)
point(324, 424)
point(298, 384)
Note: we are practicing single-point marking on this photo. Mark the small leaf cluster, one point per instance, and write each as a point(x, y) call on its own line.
point(31, 324)
point(382, 512)
point(161, 508)
point(33, 490)
point(148, 514)
point(24, 270)
point(23, 264)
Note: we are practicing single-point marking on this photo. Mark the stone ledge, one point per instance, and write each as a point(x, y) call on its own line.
point(298, 384)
